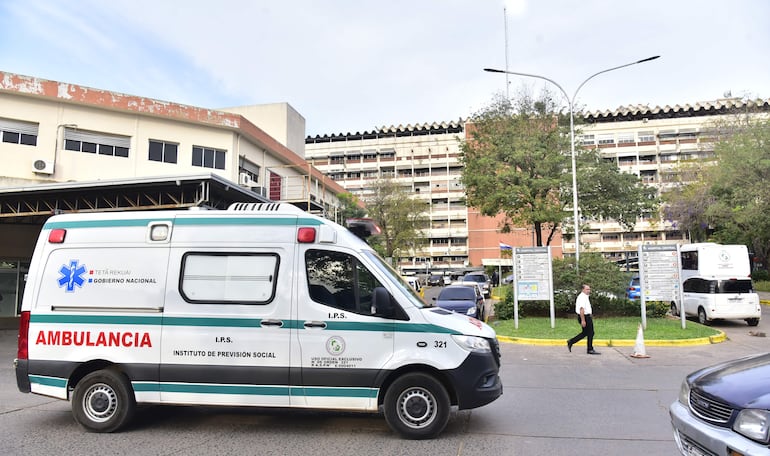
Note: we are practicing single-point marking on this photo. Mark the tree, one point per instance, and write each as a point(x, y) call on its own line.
point(686, 206)
point(738, 184)
point(349, 207)
point(726, 199)
point(516, 163)
point(399, 216)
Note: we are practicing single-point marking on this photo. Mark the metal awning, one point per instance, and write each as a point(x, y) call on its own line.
point(35, 203)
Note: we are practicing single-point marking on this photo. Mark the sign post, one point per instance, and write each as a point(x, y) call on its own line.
point(533, 278)
point(659, 276)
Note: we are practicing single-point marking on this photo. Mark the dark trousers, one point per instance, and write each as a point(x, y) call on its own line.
point(587, 332)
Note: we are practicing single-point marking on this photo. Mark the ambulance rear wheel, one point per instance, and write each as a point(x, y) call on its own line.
point(103, 401)
point(417, 406)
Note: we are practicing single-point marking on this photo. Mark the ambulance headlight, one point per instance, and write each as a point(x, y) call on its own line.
point(754, 424)
point(473, 343)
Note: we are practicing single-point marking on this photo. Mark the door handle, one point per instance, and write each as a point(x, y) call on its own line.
point(276, 323)
point(315, 324)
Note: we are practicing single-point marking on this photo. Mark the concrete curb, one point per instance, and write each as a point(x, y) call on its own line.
point(721, 337)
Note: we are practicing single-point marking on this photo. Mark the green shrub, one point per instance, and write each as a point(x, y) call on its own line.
point(760, 275)
point(762, 286)
point(504, 307)
point(564, 306)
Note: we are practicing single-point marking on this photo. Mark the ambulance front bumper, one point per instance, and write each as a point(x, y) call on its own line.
point(477, 381)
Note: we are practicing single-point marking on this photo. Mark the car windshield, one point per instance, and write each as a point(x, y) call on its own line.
point(388, 271)
point(474, 278)
point(457, 294)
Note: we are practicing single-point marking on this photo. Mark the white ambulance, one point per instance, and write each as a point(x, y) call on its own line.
point(259, 305)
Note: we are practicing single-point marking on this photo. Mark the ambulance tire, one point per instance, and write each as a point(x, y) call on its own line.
point(417, 406)
point(103, 401)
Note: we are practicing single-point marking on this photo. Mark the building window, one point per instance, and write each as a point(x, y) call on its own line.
point(646, 136)
point(587, 140)
point(626, 138)
point(96, 143)
point(207, 157)
point(606, 139)
point(16, 132)
point(161, 151)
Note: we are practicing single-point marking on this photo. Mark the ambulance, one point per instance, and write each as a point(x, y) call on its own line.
point(258, 305)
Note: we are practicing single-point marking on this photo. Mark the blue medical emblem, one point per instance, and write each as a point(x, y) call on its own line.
point(72, 275)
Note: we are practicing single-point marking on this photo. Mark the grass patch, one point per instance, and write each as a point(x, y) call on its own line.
point(604, 328)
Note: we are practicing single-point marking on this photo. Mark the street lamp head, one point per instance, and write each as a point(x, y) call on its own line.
point(649, 58)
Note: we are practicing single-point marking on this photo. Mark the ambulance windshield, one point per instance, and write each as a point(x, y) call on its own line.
point(387, 270)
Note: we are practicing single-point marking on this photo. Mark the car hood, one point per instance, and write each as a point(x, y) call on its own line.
point(743, 383)
point(458, 305)
point(458, 323)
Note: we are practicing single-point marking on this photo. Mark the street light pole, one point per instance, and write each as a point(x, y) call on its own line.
point(571, 103)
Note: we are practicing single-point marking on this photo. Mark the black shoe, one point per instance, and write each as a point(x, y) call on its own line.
point(593, 352)
point(569, 346)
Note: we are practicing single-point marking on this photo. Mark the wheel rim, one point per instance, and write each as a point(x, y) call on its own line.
point(417, 407)
point(702, 316)
point(100, 402)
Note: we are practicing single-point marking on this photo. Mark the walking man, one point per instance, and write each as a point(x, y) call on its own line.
point(583, 311)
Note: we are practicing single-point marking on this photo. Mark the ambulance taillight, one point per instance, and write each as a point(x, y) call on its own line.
point(57, 235)
point(22, 348)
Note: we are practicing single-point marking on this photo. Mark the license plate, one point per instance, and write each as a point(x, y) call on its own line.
point(691, 450)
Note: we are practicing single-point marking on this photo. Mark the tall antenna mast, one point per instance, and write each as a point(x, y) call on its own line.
point(507, 84)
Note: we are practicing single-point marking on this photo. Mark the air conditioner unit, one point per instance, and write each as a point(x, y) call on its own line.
point(245, 180)
point(42, 166)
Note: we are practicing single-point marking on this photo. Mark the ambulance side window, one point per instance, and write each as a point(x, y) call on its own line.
point(339, 280)
point(228, 278)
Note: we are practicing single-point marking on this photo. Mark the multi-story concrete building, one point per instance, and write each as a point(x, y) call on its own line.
point(425, 159)
point(649, 142)
point(654, 143)
point(68, 148)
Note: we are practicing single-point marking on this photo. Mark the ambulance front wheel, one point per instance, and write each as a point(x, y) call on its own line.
point(417, 406)
point(103, 401)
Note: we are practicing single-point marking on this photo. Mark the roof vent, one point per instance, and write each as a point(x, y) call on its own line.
point(264, 207)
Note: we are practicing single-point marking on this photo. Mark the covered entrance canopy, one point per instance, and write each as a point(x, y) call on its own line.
point(33, 204)
point(24, 210)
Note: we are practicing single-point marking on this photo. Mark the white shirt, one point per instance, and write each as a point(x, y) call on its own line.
point(583, 301)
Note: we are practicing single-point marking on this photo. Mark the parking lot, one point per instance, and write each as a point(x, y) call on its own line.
point(555, 402)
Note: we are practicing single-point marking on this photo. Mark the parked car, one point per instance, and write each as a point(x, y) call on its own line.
point(725, 409)
point(414, 282)
point(481, 279)
point(634, 290)
point(466, 299)
point(508, 279)
point(435, 280)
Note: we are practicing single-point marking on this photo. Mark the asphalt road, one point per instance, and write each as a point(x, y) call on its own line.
point(555, 403)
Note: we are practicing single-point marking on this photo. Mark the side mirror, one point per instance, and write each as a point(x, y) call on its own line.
point(383, 305)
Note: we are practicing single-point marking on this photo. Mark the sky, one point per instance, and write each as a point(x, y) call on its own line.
point(351, 66)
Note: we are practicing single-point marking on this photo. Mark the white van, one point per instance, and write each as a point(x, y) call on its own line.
point(716, 283)
point(260, 305)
